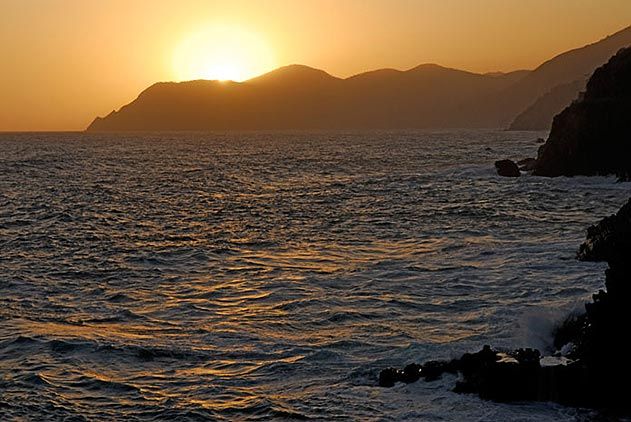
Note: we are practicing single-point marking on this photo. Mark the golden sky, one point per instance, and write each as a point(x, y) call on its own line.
point(63, 62)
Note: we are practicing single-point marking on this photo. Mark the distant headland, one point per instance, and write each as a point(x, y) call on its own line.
point(299, 97)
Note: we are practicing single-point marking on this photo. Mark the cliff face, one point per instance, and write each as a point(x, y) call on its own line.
point(593, 135)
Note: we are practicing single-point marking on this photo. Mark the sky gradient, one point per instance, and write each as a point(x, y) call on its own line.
point(66, 61)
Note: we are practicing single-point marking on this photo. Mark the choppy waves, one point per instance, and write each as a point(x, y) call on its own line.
point(261, 276)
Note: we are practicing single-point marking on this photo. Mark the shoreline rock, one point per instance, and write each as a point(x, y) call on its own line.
point(507, 168)
point(593, 344)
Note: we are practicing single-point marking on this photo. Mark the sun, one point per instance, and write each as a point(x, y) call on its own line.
point(222, 52)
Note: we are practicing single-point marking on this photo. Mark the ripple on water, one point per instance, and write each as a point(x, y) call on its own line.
point(260, 276)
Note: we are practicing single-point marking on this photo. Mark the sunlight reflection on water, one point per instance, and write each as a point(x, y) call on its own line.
point(257, 276)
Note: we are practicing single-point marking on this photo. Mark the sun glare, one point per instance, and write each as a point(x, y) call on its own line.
point(222, 53)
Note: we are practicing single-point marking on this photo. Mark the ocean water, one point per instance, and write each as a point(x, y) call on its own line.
point(273, 275)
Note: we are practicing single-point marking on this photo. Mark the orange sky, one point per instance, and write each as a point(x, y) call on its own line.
point(63, 62)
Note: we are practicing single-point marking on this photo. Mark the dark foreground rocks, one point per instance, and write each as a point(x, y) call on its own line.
point(609, 238)
point(593, 367)
point(517, 375)
point(592, 136)
point(507, 168)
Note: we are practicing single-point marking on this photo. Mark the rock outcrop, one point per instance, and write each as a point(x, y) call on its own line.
point(592, 346)
point(507, 168)
point(597, 339)
point(611, 236)
point(593, 135)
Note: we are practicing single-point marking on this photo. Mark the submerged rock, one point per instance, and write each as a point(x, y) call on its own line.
point(507, 168)
point(593, 135)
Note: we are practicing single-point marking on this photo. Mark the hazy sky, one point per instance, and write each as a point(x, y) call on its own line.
point(65, 61)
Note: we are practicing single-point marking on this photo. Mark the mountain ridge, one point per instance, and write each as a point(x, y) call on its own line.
point(303, 97)
point(572, 65)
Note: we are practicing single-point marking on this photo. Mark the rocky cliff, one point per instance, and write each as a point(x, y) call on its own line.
point(593, 135)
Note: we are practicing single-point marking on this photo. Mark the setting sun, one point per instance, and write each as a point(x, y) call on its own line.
point(221, 52)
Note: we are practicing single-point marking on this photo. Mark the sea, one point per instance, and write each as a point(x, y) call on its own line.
point(271, 276)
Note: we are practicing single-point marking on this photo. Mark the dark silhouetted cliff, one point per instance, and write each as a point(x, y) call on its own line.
point(593, 135)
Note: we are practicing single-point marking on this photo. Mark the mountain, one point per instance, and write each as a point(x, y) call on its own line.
point(540, 114)
point(301, 97)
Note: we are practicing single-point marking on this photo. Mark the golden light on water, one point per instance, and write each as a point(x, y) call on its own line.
point(222, 52)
